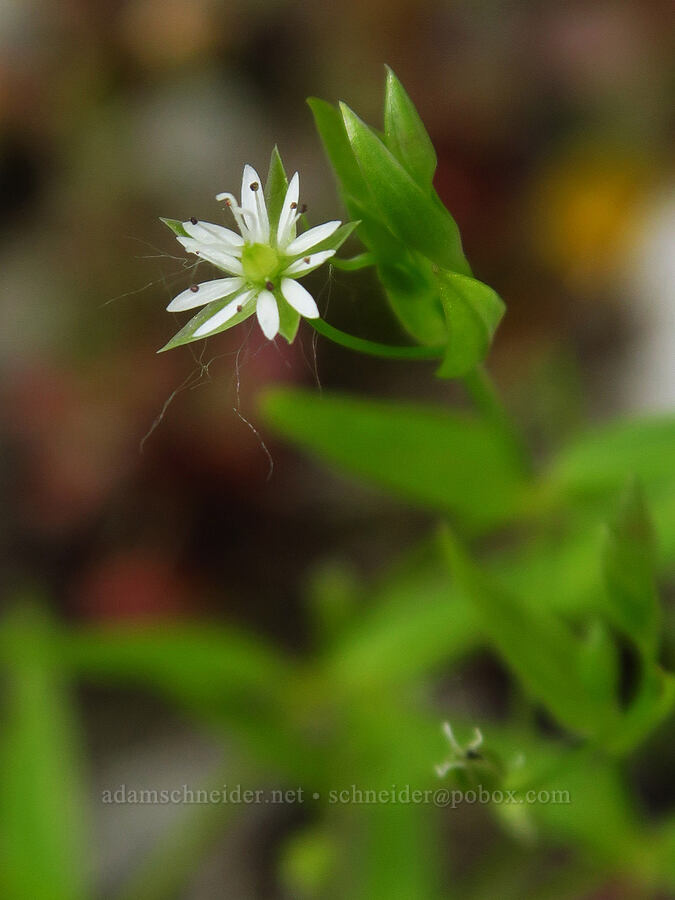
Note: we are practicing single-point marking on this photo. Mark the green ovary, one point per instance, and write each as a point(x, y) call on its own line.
point(260, 262)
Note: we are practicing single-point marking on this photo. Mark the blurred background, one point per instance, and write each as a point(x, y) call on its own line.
point(141, 488)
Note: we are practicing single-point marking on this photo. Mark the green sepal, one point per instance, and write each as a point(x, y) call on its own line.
point(175, 225)
point(275, 189)
point(410, 212)
point(337, 239)
point(473, 312)
point(289, 318)
point(187, 334)
point(405, 134)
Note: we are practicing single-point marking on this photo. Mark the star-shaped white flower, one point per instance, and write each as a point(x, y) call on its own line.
point(263, 262)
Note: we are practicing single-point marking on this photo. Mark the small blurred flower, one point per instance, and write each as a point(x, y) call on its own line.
point(262, 263)
point(461, 756)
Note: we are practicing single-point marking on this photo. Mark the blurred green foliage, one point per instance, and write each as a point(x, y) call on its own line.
point(555, 569)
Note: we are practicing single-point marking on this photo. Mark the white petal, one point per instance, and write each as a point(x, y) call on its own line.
point(308, 263)
point(312, 237)
point(299, 298)
point(207, 233)
point(206, 251)
point(250, 205)
point(224, 315)
point(205, 293)
point(287, 214)
point(268, 314)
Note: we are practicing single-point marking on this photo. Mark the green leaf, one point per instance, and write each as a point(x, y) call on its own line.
point(405, 134)
point(414, 297)
point(415, 622)
point(473, 311)
point(442, 460)
point(537, 646)
point(601, 460)
point(336, 144)
point(629, 561)
point(375, 234)
point(176, 226)
point(653, 705)
point(409, 211)
point(275, 189)
point(223, 677)
point(187, 334)
point(599, 664)
point(41, 796)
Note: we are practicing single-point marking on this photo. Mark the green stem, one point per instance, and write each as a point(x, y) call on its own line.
point(372, 348)
point(482, 391)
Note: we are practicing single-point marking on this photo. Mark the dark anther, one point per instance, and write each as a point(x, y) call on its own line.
point(193, 220)
point(294, 205)
point(303, 208)
point(194, 288)
point(254, 185)
point(228, 202)
point(239, 307)
point(473, 754)
point(306, 259)
point(269, 285)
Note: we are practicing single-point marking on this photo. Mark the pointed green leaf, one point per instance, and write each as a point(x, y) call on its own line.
point(602, 459)
point(440, 459)
point(187, 334)
point(409, 211)
point(473, 312)
point(629, 561)
point(388, 249)
point(405, 134)
point(599, 664)
point(275, 189)
point(176, 226)
point(536, 645)
point(414, 297)
point(336, 145)
point(43, 846)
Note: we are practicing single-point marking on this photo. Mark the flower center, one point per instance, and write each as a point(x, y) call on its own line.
point(260, 263)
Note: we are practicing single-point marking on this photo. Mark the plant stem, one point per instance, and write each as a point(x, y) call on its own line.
point(481, 389)
point(372, 348)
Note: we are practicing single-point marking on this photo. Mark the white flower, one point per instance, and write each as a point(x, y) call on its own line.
point(262, 263)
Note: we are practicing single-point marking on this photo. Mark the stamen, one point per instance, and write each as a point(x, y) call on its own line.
point(239, 214)
point(269, 285)
point(239, 307)
point(254, 185)
point(194, 288)
point(194, 220)
point(307, 260)
point(294, 205)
